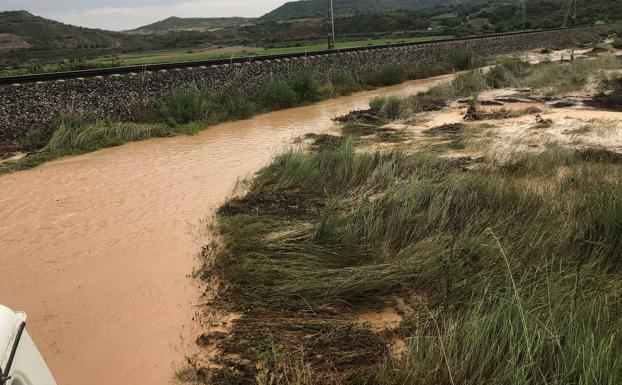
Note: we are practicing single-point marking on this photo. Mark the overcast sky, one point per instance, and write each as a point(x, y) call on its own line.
point(120, 15)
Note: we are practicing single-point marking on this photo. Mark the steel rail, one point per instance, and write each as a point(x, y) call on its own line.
point(52, 76)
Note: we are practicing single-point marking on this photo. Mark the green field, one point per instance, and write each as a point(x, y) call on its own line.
point(183, 55)
point(207, 52)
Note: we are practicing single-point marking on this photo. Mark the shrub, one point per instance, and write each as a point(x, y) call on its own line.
point(183, 106)
point(305, 86)
point(75, 134)
point(428, 69)
point(344, 82)
point(461, 60)
point(467, 84)
point(377, 103)
point(386, 75)
point(505, 73)
point(66, 132)
point(389, 107)
point(276, 95)
point(393, 108)
point(36, 139)
point(601, 47)
point(237, 106)
point(435, 98)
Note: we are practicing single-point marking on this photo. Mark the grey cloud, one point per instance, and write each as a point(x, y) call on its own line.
point(76, 5)
point(123, 15)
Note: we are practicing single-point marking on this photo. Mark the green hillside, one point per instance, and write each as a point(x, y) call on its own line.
point(317, 8)
point(196, 23)
point(43, 34)
point(28, 43)
point(449, 17)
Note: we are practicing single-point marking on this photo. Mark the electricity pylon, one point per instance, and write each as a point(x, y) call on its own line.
point(574, 17)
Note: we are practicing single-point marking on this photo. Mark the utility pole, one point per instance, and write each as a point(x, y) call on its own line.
point(331, 25)
point(524, 12)
point(522, 8)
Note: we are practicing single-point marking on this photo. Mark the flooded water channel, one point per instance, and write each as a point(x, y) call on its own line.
point(97, 248)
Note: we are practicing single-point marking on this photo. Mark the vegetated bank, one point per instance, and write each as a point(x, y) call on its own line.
point(28, 106)
point(190, 110)
point(187, 111)
point(367, 260)
point(33, 44)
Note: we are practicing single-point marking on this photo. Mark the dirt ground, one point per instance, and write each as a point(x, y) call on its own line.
point(574, 125)
point(516, 120)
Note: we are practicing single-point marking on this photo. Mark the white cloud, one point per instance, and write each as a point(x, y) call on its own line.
point(129, 17)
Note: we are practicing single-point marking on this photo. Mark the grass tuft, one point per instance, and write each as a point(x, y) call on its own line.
point(522, 285)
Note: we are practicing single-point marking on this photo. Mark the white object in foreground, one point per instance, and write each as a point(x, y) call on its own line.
point(20, 361)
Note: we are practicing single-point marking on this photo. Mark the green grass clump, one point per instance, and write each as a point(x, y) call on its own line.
point(237, 106)
point(35, 139)
point(435, 98)
point(306, 87)
point(277, 95)
point(76, 134)
point(467, 84)
point(192, 105)
point(184, 106)
point(389, 107)
point(518, 338)
point(521, 276)
point(461, 60)
point(387, 75)
point(344, 82)
point(553, 78)
point(299, 88)
point(506, 72)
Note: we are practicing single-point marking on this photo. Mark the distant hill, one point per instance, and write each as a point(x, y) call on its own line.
point(315, 8)
point(187, 24)
point(20, 29)
point(32, 40)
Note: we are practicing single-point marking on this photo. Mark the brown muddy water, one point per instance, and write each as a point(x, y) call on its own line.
point(97, 248)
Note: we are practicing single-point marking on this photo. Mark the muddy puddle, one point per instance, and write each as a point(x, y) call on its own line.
point(97, 248)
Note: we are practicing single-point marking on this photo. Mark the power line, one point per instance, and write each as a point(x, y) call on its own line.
point(524, 12)
point(567, 16)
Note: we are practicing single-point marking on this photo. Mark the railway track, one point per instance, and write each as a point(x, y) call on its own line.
point(23, 79)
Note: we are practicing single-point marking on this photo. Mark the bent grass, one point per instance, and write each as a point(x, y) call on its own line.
point(522, 286)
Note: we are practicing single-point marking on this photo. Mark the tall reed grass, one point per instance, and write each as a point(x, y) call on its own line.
point(521, 276)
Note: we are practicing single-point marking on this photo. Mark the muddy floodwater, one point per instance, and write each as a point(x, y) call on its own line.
point(97, 248)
